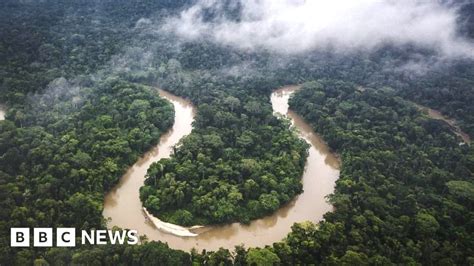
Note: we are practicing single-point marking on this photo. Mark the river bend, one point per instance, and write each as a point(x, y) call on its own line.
point(122, 204)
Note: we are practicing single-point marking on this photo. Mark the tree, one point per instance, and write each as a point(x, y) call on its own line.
point(425, 224)
point(353, 258)
point(461, 189)
point(261, 257)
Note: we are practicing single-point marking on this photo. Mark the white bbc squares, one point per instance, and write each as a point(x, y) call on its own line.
point(43, 237)
point(20, 237)
point(66, 237)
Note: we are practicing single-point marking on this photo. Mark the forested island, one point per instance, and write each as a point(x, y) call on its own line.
point(79, 79)
point(240, 163)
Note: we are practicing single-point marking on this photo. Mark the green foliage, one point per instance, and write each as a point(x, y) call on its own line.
point(391, 201)
point(239, 163)
point(405, 191)
point(462, 189)
point(425, 224)
point(261, 257)
point(147, 254)
point(56, 166)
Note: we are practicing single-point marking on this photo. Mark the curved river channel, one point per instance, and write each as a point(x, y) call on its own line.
point(435, 114)
point(123, 206)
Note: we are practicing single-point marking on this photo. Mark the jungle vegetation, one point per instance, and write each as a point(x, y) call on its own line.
point(73, 76)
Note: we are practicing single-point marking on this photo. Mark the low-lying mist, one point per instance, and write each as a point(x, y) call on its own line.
point(296, 26)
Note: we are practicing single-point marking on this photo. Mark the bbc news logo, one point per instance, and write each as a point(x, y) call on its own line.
point(66, 237)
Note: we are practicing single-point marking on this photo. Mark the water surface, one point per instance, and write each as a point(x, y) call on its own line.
point(123, 205)
point(435, 114)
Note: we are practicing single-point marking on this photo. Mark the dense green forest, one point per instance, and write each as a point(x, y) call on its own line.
point(240, 163)
point(405, 190)
point(91, 139)
point(70, 74)
point(247, 167)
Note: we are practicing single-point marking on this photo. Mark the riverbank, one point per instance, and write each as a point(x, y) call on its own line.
point(122, 204)
point(124, 207)
point(434, 114)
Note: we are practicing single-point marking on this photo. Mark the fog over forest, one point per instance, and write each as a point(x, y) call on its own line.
point(162, 116)
point(296, 26)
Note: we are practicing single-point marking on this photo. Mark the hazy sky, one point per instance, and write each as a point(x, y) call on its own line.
point(293, 26)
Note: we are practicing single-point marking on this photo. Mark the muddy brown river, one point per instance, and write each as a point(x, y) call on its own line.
point(434, 114)
point(122, 205)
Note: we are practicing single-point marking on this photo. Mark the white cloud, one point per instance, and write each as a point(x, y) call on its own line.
point(293, 26)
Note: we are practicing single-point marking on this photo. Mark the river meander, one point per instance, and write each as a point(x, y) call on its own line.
point(123, 206)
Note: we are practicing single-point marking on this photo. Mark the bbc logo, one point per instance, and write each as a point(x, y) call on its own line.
point(66, 237)
point(42, 237)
